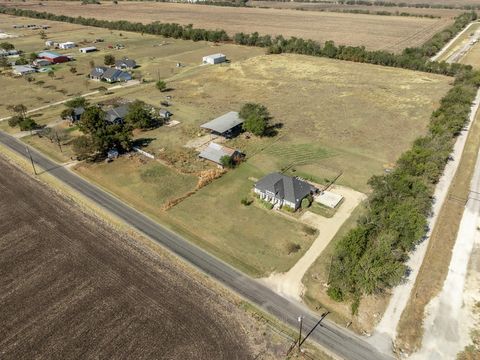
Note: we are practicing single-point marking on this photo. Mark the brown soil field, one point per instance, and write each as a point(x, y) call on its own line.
point(72, 287)
point(372, 31)
point(312, 6)
point(439, 2)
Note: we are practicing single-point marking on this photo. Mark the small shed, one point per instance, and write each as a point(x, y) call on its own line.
point(88, 49)
point(227, 125)
point(112, 154)
point(214, 152)
point(49, 43)
point(214, 59)
point(165, 114)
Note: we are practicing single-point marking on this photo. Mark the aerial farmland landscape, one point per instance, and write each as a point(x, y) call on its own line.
point(240, 179)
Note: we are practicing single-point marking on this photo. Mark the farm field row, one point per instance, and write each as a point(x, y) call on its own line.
point(103, 294)
point(392, 33)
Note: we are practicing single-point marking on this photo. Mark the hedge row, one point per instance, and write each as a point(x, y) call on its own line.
point(371, 258)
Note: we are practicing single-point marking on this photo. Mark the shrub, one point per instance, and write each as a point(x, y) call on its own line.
point(267, 204)
point(306, 203)
point(293, 248)
point(335, 293)
point(161, 85)
point(246, 201)
point(227, 162)
point(309, 230)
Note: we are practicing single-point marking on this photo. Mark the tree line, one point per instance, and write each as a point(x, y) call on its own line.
point(411, 58)
point(371, 257)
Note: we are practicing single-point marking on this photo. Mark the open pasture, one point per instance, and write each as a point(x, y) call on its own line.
point(334, 116)
point(374, 32)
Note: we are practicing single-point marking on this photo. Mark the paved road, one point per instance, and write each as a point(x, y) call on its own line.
point(337, 340)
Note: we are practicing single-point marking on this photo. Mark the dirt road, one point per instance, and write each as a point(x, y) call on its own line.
point(387, 328)
point(448, 322)
point(71, 287)
point(289, 284)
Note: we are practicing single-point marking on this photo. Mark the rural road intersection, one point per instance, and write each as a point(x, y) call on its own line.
point(339, 342)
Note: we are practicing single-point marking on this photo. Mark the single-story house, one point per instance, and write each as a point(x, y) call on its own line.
point(117, 115)
point(214, 152)
point(113, 75)
point(67, 45)
point(125, 63)
point(227, 125)
point(23, 69)
point(283, 190)
point(214, 59)
point(97, 72)
point(53, 57)
point(165, 114)
point(41, 62)
point(88, 49)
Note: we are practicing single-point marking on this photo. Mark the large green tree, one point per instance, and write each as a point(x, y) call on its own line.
point(102, 134)
point(139, 116)
point(256, 118)
point(109, 60)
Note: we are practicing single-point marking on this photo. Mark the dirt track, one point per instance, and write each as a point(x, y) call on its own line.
point(70, 287)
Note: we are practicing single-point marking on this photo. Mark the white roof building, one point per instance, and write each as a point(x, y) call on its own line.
point(87, 49)
point(23, 69)
point(214, 59)
point(67, 45)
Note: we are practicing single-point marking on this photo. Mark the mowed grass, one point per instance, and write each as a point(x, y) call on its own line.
point(375, 32)
point(146, 184)
point(252, 238)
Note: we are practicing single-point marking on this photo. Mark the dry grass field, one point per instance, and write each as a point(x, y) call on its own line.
point(375, 32)
point(157, 57)
point(333, 6)
point(74, 288)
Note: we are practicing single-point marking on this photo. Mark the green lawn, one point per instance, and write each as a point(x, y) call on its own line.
point(252, 238)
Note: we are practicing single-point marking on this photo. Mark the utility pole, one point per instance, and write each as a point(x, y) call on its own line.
point(58, 141)
point(31, 160)
point(300, 320)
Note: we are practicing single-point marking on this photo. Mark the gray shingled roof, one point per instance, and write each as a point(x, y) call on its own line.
point(117, 114)
point(126, 63)
point(223, 123)
point(98, 71)
point(285, 187)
